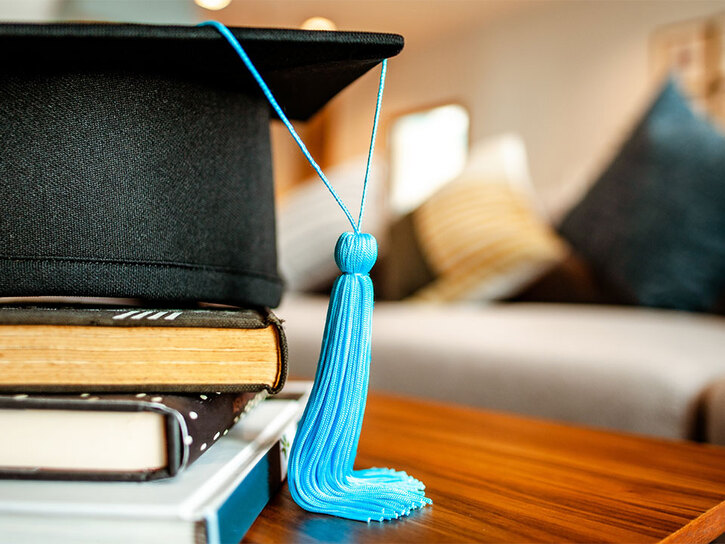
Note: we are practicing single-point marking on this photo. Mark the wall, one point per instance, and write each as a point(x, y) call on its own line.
point(568, 76)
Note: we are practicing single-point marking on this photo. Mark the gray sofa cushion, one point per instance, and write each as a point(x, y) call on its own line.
point(633, 369)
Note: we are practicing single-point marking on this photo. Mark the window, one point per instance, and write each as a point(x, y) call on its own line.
point(427, 149)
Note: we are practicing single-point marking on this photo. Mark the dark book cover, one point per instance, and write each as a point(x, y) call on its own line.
point(98, 357)
point(225, 317)
point(192, 424)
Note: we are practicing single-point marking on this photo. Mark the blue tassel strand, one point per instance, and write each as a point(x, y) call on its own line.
point(320, 469)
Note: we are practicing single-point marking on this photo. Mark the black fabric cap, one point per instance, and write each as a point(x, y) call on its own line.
point(135, 160)
point(304, 68)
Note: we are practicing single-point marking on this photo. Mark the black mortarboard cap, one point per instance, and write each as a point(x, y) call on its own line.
point(135, 160)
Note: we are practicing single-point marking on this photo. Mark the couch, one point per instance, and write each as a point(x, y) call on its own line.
point(642, 370)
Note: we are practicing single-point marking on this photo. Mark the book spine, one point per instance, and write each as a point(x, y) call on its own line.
point(231, 521)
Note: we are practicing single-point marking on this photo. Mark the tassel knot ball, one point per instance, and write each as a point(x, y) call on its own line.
point(356, 252)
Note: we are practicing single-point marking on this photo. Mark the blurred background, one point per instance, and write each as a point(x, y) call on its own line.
point(565, 76)
point(535, 163)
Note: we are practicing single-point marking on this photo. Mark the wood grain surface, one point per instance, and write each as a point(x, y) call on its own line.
point(500, 478)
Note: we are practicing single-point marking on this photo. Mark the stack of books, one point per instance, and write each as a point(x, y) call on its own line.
point(119, 423)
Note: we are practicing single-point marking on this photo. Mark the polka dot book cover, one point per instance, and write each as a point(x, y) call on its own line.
point(128, 437)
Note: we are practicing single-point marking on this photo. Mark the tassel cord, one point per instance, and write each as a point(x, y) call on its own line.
point(227, 34)
point(373, 134)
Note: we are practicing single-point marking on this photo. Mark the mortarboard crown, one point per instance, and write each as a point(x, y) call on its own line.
point(135, 160)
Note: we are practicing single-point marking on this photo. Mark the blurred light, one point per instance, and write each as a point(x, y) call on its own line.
point(213, 5)
point(318, 23)
point(427, 150)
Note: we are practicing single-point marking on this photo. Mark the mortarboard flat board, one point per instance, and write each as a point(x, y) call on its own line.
point(135, 160)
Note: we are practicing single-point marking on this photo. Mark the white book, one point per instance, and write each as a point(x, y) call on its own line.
point(215, 501)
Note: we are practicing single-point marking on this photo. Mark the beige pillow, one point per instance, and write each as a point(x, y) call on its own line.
point(484, 241)
point(483, 235)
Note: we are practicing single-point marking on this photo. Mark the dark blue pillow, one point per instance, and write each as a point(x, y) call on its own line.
point(653, 225)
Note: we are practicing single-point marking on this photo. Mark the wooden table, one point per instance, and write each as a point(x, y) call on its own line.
point(500, 478)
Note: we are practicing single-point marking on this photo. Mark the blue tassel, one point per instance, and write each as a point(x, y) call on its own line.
point(320, 469)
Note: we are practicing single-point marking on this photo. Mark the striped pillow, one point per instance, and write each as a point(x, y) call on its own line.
point(484, 241)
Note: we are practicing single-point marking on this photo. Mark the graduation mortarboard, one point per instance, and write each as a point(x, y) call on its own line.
point(135, 160)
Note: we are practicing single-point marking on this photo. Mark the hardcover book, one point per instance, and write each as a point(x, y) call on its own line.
point(214, 501)
point(113, 437)
point(64, 348)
